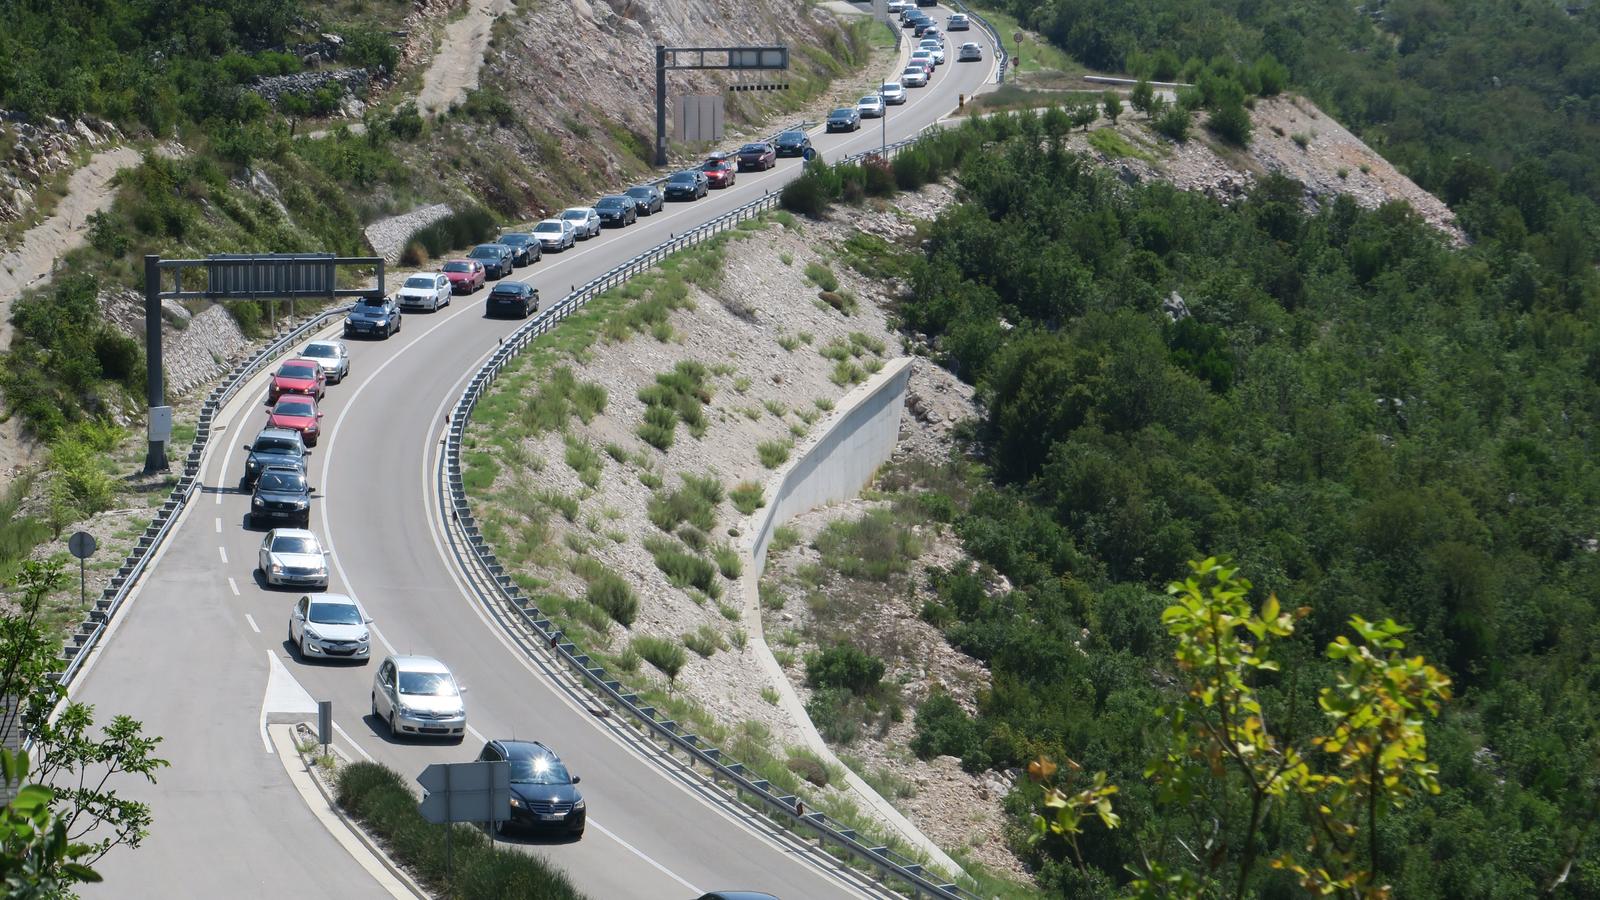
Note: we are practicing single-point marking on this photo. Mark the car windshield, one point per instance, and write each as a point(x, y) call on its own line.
point(297, 370)
point(484, 253)
point(842, 113)
point(575, 214)
point(793, 137)
point(541, 769)
point(283, 481)
point(372, 301)
point(427, 684)
point(547, 226)
point(420, 281)
point(753, 148)
point(293, 408)
point(890, 87)
point(613, 203)
point(276, 445)
point(642, 193)
point(294, 544)
point(869, 101)
point(321, 351)
point(513, 239)
point(682, 178)
point(457, 267)
point(914, 70)
point(712, 165)
point(335, 614)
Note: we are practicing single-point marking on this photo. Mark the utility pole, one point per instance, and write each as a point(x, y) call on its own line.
point(155, 458)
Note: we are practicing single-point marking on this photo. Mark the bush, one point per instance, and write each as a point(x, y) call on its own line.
point(820, 275)
point(705, 641)
point(806, 196)
point(728, 561)
point(748, 497)
point(809, 768)
point(695, 502)
point(663, 653)
point(381, 799)
point(1174, 123)
point(461, 228)
point(682, 568)
point(406, 123)
point(774, 453)
point(844, 666)
point(612, 594)
point(1231, 122)
point(945, 729)
point(369, 48)
point(875, 546)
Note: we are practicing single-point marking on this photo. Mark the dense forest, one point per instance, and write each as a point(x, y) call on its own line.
point(1368, 422)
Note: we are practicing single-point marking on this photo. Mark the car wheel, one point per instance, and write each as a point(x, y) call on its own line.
point(300, 647)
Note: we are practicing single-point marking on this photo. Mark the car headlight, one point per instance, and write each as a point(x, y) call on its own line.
point(580, 806)
point(276, 568)
point(362, 638)
point(301, 504)
point(516, 802)
point(313, 633)
point(258, 502)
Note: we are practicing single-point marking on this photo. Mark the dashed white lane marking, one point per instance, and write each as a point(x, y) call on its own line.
point(641, 854)
point(218, 523)
point(253, 626)
point(223, 552)
point(233, 586)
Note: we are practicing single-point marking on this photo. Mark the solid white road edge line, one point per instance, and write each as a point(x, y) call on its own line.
point(352, 742)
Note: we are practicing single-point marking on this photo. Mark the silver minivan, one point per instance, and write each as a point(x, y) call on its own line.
point(417, 695)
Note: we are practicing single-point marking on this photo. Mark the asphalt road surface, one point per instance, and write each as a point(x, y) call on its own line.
point(191, 657)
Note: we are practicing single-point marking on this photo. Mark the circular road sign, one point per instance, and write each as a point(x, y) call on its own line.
point(1016, 37)
point(81, 544)
point(810, 153)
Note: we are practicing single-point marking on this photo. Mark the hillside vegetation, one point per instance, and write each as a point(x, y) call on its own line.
point(1368, 422)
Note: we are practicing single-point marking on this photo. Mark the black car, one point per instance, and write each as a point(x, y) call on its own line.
point(496, 259)
point(543, 794)
point(845, 118)
point(757, 155)
point(792, 143)
point(282, 494)
point(373, 315)
point(922, 27)
point(619, 210)
point(689, 185)
point(525, 248)
point(515, 298)
point(273, 447)
point(648, 197)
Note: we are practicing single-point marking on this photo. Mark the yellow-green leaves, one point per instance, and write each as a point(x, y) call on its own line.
point(1067, 809)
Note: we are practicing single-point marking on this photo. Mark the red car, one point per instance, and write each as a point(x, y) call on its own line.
point(297, 376)
point(297, 412)
point(719, 170)
point(466, 275)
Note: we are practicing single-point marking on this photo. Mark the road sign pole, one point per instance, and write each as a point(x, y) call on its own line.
point(82, 545)
point(155, 459)
point(83, 583)
point(661, 104)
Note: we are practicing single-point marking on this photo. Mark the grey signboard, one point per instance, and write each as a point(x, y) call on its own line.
point(466, 792)
point(699, 117)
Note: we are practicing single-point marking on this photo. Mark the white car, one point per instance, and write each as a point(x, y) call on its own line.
point(418, 695)
point(425, 290)
point(958, 22)
point(870, 107)
point(293, 556)
point(898, 6)
point(914, 76)
point(969, 52)
point(894, 93)
point(585, 221)
point(555, 234)
point(330, 626)
point(332, 355)
point(923, 58)
point(935, 48)
point(933, 34)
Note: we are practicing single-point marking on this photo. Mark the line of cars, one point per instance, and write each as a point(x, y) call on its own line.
point(415, 696)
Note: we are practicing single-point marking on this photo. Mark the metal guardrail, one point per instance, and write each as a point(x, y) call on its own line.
point(994, 36)
point(76, 649)
point(456, 512)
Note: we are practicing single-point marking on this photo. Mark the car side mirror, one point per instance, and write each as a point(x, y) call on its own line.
point(576, 779)
point(366, 620)
point(307, 453)
point(319, 415)
point(245, 447)
point(298, 617)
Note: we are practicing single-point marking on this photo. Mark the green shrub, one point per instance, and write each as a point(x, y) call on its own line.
point(695, 502)
point(583, 459)
point(678, 395)
point(945, 729)
point(774, 453)
point(844, 666)
point(809, 768)
point(381, 799)
point(728, 560)
point(461, 228)
point(705, 641)
point(682, 568)
point(748, 497)
point(823, 277)
point(1174, 123)
point(807, 195)
point(612, 594)
point(664, 653)
point(1231, 122)
point(873, 547)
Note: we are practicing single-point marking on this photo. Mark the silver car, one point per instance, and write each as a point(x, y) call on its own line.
point(425, 290)
point(330, 626)
point(332, 355)
point(293, 556)
point(894, 93)
point(418, 695)
point(555, 234)
point(585, 221)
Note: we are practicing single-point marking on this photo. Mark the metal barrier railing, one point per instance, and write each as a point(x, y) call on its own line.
point(456, 512)
point(77, 647)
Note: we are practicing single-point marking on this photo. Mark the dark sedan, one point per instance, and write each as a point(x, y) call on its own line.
point(374, 316)
point(617, 211)
point(525, 248)
point(512, 298)
point(281, 494)
point(689, 185)
point(544, 795)
point(761, 155)
point(792, 143)
point(648, 197)
point(844, 118)
point(496, 259)
point(273, 448)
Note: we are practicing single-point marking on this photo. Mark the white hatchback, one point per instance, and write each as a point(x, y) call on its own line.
point(330, 626)
point(894, 93)
point(870, 107)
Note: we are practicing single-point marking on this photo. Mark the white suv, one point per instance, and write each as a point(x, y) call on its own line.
point(418, 695)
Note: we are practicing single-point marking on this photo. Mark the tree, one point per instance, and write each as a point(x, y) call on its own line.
point(1231, 122)
point(1141, 96)
point(1113, 105)
point(66, 753)
point(1174, 123)
point(1084, 114)
point(37, 859)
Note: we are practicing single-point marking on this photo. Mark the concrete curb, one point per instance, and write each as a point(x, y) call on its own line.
point(861, 458)
point(350, 836)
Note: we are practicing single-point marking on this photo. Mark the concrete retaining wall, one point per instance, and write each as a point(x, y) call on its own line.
point(388, 237)
point(858, 439)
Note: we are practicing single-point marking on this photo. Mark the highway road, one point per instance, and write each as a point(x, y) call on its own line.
point(191, 657)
